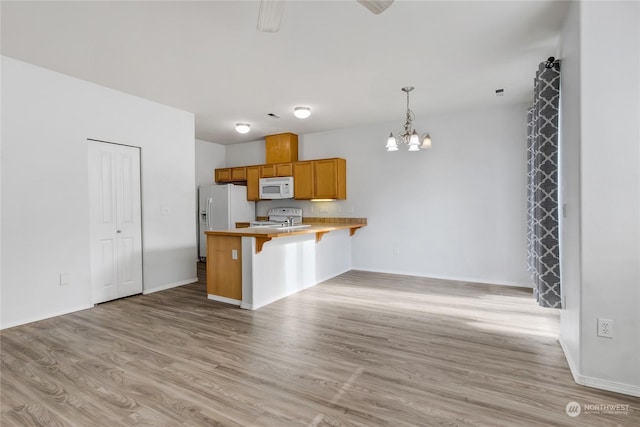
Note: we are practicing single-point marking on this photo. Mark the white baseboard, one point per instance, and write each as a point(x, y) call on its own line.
point(445, 277)
point(46, 316)
point(224, 300)
point(330, 277)
point(259, 304)
point(614, 386)
point(598, 383)
point(169, 286)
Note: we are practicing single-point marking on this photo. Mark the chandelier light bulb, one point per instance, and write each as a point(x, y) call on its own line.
point(391, 143)
point(426, 142)
point(414, 141)
point(243, 127)
point(302, 112)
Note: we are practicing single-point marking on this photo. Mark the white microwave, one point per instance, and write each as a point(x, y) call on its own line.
point(276, 188)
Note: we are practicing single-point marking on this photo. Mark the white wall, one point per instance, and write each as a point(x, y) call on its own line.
point(46, 120)
point(455, 211)
point(209, 157)
point(249, 153)
point(570, 186)
point(610, 177)
point(608, 283)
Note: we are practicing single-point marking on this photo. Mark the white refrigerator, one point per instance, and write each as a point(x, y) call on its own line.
point(220, 207)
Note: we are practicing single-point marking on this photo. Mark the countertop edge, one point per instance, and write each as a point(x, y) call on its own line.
point(271, 233)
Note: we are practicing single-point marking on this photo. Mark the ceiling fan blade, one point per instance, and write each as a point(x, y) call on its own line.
point(270, 15)
point(376, 6)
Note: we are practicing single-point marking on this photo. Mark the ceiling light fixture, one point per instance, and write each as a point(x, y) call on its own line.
point(243, 127)
point(302, 112)
point(408, 136)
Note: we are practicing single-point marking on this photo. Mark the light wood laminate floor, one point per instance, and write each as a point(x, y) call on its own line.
point(362, 349)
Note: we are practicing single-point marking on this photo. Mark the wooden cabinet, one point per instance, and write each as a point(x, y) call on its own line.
point(224, 267)
point(303, 180)
point(330, 179)
point(253, 180)
point(281, 148)
point(238, 174)
point(312, 179)
point(320, 179)
point(276, 169)
point(223, 175)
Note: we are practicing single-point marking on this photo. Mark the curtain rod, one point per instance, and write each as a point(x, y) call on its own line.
point(551, 63)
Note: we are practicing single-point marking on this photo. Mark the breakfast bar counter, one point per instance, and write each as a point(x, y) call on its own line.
point(265, 234)
point(252, 267)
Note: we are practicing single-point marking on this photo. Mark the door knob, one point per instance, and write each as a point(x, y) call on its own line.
point(119, 231)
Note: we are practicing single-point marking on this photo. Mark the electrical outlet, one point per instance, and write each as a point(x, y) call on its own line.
point(605, 328)
point(396, 251)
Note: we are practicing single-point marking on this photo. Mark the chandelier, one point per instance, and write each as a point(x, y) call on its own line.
point(408, 136)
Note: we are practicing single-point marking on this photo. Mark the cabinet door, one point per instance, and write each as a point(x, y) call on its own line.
point(276, 169)
point(253, 181)
point(267, 171)
point(223, 175)
point(330, 179)
point(303, 180)
point(284, 169)
point(224, 266)
point(282, 147)
point(239, 174)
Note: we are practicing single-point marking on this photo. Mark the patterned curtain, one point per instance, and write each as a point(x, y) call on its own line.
point(542, 187)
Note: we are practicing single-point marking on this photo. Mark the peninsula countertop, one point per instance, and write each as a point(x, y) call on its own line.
point(264, 234)
point(262, 231)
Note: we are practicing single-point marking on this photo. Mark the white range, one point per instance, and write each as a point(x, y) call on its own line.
point(282, 218)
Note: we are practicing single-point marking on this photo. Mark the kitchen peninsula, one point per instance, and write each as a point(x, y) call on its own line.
point(255, 266)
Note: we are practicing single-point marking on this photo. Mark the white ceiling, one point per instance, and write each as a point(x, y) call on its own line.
point(336, 57)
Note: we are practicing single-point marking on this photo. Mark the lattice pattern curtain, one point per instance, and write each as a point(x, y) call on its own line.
point(542, 187)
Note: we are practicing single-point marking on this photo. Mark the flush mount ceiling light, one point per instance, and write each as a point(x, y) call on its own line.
point(409, 136)
point(302, 112)
point(243, 127)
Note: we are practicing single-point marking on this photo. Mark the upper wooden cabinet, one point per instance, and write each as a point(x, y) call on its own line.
point(223, 175)
point(320, 179)
point(276, 169)
point(238, 174)
point(253, 180)
point(312, 179)
point(303, 180)
point(281, 148)
point(330, 179)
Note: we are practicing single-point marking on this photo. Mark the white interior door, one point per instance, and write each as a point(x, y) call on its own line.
point(116, 226)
